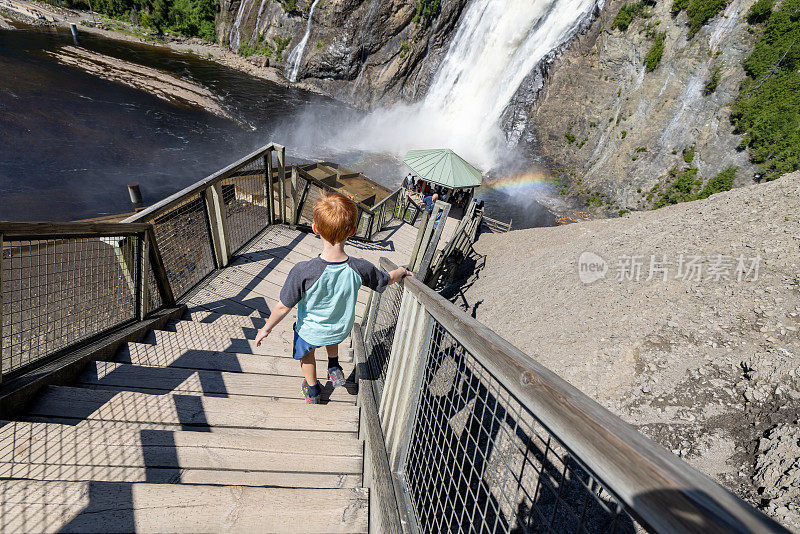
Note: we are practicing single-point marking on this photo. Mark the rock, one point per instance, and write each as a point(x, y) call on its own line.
point(633, 125)
point(259, 60)
point(777, 471)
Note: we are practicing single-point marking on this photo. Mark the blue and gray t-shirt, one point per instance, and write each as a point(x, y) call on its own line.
point(325, 294)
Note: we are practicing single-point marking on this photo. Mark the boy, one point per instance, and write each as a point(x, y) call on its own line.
point(325, 290)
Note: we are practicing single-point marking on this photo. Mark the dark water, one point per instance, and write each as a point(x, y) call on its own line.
point(70, 141)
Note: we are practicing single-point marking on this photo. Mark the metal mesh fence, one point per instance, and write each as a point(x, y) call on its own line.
point(153, 300)
point(378, 344)
point(185, 244)
point(246, 203)
point(479, 461)
point(313, 193)
point(57, 292)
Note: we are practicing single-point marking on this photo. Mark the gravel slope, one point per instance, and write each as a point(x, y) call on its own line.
point(709, 368)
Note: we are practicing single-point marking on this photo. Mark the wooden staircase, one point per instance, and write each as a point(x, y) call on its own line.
point(194, 428)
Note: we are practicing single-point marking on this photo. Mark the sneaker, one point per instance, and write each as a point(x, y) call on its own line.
point(337, 376)
point(310, 400)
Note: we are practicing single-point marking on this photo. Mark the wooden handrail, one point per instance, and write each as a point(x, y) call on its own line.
point(199, 186)
point(386, 199)
point(660, 490)
point(59, 230)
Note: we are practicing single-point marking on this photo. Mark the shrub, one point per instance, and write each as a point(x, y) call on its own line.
point(404, 48)
point(570, 137)
point(721, 182)
point(653, 57)
point(289, 5)
point(767, 110)
point(681, 186)
point(679, 5)
point(698, 11)
point(713, 79)
point(688, 154)
point(280, 45)
point(426, 10)
point(626, 14)
point(624, 134)
point(760, 11)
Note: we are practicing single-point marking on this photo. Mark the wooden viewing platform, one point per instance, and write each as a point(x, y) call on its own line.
point(195, 428)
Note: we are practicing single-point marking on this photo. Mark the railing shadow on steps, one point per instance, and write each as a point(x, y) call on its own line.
point(468, 433)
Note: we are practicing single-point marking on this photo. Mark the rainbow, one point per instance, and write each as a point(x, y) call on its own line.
point(520, 184)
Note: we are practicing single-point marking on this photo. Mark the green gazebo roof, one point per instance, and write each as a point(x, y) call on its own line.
point(443, 166)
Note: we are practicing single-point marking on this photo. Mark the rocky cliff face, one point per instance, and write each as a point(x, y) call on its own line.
point(607, 126)
point(365, 52)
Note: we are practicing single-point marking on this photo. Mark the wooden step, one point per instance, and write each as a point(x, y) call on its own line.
point(244, 321)
point(29, 434)
point(260, 433)
point(276, 343)
point(113, 375)
point(226, 331)
point(192, 412)
point(58, 452)
point(223, 303)
point(37, 506)
point(157, 356)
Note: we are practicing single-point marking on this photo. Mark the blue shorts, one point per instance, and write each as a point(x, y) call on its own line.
point(301, 347)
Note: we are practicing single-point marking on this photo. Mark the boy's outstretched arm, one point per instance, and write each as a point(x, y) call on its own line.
point(397, 274)
point(278, 313)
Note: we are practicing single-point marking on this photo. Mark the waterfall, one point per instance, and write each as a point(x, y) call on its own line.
point(496, 46)
point(260, 13)
point(234, 38)
point(296, 56)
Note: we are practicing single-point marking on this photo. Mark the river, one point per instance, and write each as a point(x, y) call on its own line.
point(70, 140)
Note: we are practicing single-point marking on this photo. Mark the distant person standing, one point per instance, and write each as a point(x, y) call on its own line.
point(408, 181)
point(430, 201)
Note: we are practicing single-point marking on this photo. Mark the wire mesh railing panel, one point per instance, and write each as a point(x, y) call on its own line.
point(246, 203)
point(150, 285)
point(378, 345)
point(184, 241)
point(58, 292)
point(314, 193)
point(479, 461)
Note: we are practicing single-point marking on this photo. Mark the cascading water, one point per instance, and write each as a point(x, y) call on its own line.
point(296, 56)
point(497, 45)
point(260, 13)
point(235, 38)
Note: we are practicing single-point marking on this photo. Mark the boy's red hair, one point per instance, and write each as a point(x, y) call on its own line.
point(335, 217)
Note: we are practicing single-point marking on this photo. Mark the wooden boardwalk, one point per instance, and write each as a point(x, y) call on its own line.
point(196, 429)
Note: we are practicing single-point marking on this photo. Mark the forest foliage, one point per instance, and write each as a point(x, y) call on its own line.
point(192, 18)
point(767, 110)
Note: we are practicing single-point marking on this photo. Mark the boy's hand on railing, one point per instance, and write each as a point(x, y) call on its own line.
point(261, 335)
point(398, 274)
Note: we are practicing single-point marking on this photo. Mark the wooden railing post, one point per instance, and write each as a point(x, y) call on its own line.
point(295, 202)
point(420, 237)
point(404, 378)
point(269, 185)
point(139, 281)
point(433, 232)
point(281, 151)
point(159, 272)
point(1, 308)
point(215, 204)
